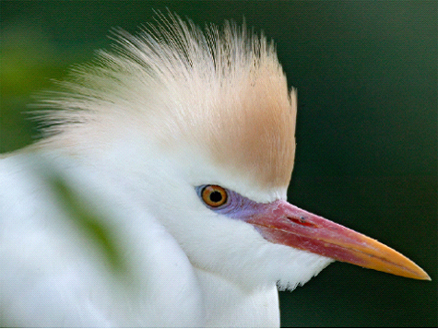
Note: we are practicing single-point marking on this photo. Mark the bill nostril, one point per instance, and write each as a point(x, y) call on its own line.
point(301, 221)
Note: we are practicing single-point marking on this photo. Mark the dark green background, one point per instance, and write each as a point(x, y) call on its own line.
point(366, 73)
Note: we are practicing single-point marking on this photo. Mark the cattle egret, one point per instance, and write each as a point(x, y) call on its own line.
point(157, 196)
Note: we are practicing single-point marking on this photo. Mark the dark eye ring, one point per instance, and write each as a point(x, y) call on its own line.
point(214, 196)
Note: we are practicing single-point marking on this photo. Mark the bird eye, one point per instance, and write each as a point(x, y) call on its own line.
point(214, 195)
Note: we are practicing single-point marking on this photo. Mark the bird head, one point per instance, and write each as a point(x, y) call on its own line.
point(201, 127)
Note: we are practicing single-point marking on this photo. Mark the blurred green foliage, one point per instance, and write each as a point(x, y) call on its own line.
point(29, 61)
point(93, 225)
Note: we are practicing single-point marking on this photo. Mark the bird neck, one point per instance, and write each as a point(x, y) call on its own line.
point(230, 305)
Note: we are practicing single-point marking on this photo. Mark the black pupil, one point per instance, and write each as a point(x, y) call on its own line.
point(216, 197)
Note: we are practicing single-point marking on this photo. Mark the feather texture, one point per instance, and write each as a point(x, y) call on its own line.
point(223, 92)
point(130, 136)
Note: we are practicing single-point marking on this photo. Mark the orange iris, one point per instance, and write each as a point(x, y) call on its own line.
point(214, 196)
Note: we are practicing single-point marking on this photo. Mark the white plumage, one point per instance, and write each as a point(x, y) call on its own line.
point(105, 221)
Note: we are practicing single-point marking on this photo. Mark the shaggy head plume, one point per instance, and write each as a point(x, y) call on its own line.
point(223, 91)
